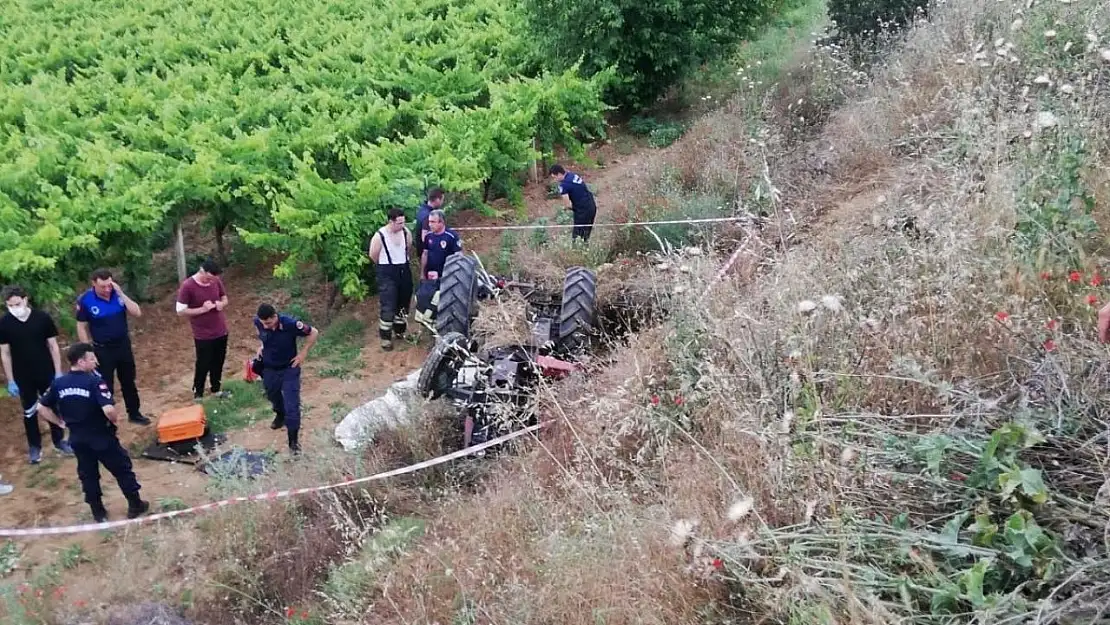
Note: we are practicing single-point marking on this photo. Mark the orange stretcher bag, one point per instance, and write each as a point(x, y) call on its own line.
point(182, 424)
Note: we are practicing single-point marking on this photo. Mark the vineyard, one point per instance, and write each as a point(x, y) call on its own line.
point(293, 124)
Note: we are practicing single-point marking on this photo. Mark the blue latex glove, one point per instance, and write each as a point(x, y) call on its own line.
point(13, 388)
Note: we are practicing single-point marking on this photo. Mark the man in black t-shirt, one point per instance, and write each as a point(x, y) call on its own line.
point(29, 350)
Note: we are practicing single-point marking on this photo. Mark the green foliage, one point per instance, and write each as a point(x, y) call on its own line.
point(649, 45)
point(866, 19)
point(9, 557)
point(659, 134)
point(295, 124)
point(340, 347)
point(349, 586)
point(1055, 221)
point(246, 406)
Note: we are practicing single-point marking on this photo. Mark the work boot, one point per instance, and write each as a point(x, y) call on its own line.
point(136, 507)
point(138, 419)
point(99, 514)
point(278, 422)
point(294, 444)
point(387, 345)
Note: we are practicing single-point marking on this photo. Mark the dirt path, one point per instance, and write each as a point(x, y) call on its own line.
point(49, 493)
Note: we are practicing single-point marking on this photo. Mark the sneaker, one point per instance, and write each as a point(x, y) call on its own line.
point(99, 514)
point(6, 489)
point(65, 448)
point(138, 419)
point(222, 394)
point(35, 455)
point(387, 345)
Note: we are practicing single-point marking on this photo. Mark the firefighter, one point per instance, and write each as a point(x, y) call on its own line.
point(32, 360)
point(281, 367)
point(578, 199)
point(421, 229)
point(81, 401)
point(389, 250)
point(102, 313)
point(439, 243)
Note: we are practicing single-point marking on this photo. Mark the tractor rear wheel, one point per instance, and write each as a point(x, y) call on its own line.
point(576, 315)
point(440, 368)
point(458, 295)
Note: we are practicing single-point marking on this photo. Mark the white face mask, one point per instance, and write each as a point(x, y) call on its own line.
point(20, 312)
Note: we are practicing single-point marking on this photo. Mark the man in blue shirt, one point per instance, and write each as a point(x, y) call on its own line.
point(102, 321)
point(578, 199)
point(281, 367)
point(81, 401)
point(439, 243)
point(421, 229)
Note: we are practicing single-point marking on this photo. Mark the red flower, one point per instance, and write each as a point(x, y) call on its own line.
point(718, 564)
point(957, 476)
point(1092, 300)
point(678, 401)
point(80, 603)
point(1045, 275)
point(654, 400)
point(1096, 280)
point(1049, 345)
point(1051, 324)
point(1002, 316)
point(304, 614)
point(1075, 276)
point(289, 612)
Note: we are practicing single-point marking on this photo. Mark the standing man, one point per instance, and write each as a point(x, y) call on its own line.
point(421, 229)
point(281, 367)
point(578, 199)
point(32, 360)
point(102, 321)
point(82, 402)
point(439, 243)
point(202, 299)
point(389, 250)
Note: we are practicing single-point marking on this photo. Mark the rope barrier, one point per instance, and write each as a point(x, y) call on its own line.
point(604, 225)
point(270, 496)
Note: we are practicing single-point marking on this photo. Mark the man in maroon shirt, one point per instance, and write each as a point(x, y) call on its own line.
point(202, 299)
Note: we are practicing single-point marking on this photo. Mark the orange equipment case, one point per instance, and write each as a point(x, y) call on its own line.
point(181, 424)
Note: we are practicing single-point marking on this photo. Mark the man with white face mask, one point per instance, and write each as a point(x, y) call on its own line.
point(32, 360)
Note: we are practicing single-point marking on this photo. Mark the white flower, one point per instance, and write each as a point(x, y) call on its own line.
point(741, 508)
point(831, 302)
point(682, 531)
point(807, 306)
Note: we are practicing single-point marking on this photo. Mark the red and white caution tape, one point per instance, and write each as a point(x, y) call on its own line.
point(708, 220)
point(270, 496)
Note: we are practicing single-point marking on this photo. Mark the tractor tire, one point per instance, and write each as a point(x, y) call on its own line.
point(578, 310)
point(458, 296)
point(439, 369)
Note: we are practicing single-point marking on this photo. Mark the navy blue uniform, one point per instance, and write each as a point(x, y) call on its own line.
point(78, 398)
point(422, 215)
point(111, 339)
point(439, 247)
point(581, 203)
point(280, 378)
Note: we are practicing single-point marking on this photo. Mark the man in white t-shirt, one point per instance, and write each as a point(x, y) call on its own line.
point(389, 250)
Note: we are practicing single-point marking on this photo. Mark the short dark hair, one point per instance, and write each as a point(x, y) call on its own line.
point(77, 351)
point(210, 266)
point(555, 170)
point(101, 274)
point(11, 291)
point(394, 213)
point(266, 311)
point(434, 194)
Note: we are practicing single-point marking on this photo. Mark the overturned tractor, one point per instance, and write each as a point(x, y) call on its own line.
point(494, 386)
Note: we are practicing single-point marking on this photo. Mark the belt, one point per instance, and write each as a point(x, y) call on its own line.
point(112, 343)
